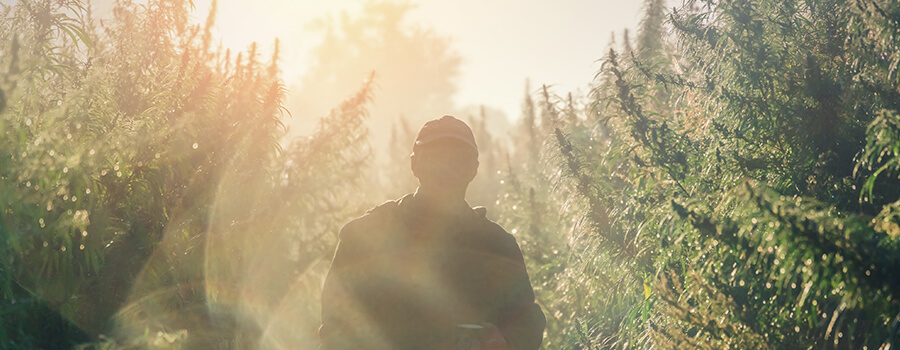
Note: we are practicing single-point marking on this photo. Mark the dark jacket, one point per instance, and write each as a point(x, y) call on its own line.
point(400, 280)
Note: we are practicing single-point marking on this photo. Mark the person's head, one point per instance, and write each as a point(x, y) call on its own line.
point(445, 155)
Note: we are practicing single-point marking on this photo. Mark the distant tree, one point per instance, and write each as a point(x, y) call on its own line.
point(651, 34)
point(415, 68)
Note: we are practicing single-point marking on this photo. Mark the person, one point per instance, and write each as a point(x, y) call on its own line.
point(427, 271)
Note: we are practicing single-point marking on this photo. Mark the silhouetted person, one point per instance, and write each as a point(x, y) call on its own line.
point(427, 271)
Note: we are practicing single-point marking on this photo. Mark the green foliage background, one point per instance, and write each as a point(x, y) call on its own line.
point(731, 181)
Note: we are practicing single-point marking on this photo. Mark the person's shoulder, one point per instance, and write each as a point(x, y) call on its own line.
point(479, 217)
point(491, 229)
point(372, 220)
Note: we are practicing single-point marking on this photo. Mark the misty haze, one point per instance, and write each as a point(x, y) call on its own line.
point(381, 174)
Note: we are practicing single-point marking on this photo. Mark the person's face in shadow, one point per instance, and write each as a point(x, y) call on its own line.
point(444, 164)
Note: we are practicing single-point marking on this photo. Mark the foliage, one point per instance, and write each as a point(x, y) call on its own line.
point(729, 182)
point(729, 188)
point(137, 162)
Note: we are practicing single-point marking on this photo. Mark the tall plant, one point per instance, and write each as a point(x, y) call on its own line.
point(740, 212)
point(142, 174)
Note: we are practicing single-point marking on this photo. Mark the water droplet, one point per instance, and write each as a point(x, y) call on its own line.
point(195, 145)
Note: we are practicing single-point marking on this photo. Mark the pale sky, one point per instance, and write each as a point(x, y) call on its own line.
point(502, 42)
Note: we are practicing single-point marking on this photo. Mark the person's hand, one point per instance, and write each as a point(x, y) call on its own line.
point(493, 339)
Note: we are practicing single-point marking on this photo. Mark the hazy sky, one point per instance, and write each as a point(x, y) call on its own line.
point(502, 42)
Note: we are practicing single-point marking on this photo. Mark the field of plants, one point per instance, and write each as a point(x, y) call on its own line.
point(731, 181)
